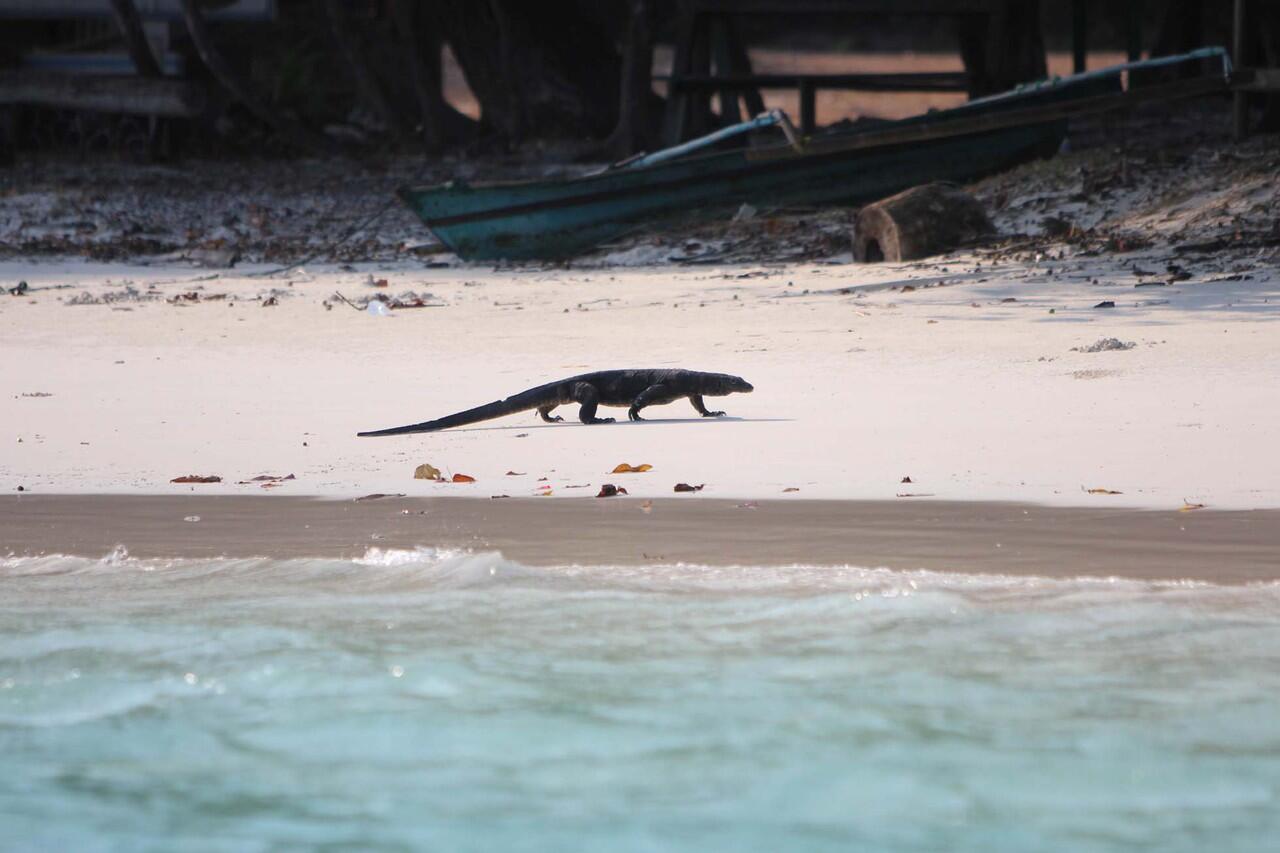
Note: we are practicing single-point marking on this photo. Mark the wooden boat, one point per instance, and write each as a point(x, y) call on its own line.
point(558, 218)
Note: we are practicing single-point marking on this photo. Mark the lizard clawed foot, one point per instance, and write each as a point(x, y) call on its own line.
point(713, 414)
point(634, 415)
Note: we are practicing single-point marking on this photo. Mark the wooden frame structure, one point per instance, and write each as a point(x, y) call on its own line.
point(708, 37)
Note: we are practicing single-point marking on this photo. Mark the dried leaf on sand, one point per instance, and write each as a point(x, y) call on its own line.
point(463, 478)
point(626, 468)
point(685, 487)
point(197, 478)
point(1104, 492)
point(609, 490)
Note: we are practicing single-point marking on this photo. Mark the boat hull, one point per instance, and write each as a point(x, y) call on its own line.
point(562, 218)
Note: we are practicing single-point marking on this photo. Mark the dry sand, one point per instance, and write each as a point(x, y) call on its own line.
point(864, 375)
point(981, 538)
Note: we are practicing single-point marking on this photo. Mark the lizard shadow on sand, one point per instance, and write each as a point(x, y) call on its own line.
point(625, 422)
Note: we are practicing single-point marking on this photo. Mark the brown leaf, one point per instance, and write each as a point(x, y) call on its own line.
point(1104, 492)
point(905, 480)
point(427, 471)
point(791, 489)
point(625, 468)
point(609, 490)
point(685, 487)
point(498, 497)
point(196, 478)
point(378, 496)
point(267, 478)
point(515, 473)
point(463, 478)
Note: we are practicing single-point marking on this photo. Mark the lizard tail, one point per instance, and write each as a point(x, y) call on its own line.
point(489, 411)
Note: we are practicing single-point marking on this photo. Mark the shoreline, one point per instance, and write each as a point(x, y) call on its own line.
point(991, 538)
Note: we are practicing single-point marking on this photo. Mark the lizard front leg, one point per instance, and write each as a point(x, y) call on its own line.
point(696, 399)
point(586, 394)
point(647, 397)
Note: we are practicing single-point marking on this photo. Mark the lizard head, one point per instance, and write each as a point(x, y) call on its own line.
point(724, 384)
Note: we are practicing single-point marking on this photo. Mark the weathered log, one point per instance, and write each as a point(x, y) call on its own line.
point(922, 221)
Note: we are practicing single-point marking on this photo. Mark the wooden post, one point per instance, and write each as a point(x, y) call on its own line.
point(1240, 100)
point(676, 120)
point(1079, 35)
point(808, 106)
point(1133, 30)
point(699, 103)
point(722, 55)
point(742, 65)
point(632, 133)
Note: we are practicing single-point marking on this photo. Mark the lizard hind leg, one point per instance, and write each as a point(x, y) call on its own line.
point(586, 395)
point(544, 412)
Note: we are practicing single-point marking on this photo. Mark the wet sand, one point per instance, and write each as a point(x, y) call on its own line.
point(987, 538)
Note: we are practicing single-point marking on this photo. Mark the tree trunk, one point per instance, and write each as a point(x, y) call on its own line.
point(420, 43)
point(367, 86)
point(226, 76)
point(135, 39)
point(538, 69)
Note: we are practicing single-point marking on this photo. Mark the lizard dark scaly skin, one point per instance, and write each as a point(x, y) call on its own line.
point(634, 389)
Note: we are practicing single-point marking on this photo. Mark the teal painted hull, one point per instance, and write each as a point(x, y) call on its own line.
point(562, 218)
point(559, 218)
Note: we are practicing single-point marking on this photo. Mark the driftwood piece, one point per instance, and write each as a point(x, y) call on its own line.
point(922, 221)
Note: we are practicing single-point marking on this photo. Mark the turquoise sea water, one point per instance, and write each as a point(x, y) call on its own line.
point(434, 701)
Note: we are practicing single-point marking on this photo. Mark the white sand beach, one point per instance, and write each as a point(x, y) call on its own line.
point(969, 375)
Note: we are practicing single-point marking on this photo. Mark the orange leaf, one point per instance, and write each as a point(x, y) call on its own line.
point(1187, 506)
point(463, 478)
point(624, 468)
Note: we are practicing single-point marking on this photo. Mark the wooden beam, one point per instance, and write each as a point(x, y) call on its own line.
point(1255, 80)
point(1014, 117)
point(126, 95)
point(928, 81)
